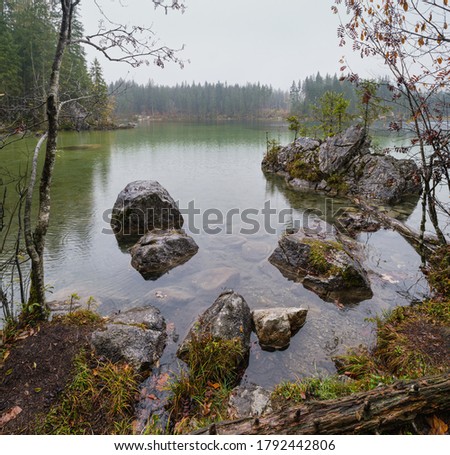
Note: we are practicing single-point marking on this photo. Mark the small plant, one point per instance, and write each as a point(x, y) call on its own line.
point(73, 299)
point(319, 254)
point(304, 170)
point(198, 395)
point(272, 148)
point(91, 303)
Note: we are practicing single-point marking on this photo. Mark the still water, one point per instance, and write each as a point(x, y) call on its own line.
point(210, 166)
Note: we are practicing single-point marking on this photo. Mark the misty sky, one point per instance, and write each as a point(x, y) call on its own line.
point(238, 41)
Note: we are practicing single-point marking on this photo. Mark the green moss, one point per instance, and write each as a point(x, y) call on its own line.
point(303, 170)
point(338, 183)
point(320, 253)
point(328, 388)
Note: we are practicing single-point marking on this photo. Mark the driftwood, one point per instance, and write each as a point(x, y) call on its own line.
point(370, 412)
point(425, 246)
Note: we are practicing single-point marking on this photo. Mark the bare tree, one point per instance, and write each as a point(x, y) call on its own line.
point(411, 37)
point(134, 46)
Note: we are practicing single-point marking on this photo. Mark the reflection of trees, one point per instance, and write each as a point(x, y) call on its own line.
point(81, 158)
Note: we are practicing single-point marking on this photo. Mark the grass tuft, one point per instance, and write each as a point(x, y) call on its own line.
point(198, 396)
point(99, 400)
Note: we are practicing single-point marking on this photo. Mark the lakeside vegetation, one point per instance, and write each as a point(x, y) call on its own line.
point(93, 395)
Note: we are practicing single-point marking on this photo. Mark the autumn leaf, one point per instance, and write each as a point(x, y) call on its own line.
point(9, 415)
point(161, 382)
point(437, 425)
point(207, 409)
point(214, 385)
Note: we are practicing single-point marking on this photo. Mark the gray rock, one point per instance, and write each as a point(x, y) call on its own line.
point(336, 152)
point(351, 222)
point(172, 294)
point(141, 206)
point(253, 251)
point(216, 279)
point(323, 263)
point(227, 318)
point(275, 326)
point(279, 163)
point(343, 165)
point(159, 251)
point(250, 400)
point(385, 178)
point(137, 336)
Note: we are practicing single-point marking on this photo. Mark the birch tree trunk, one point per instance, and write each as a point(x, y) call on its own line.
point(35, 241)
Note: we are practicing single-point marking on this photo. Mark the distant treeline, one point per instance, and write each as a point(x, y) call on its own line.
point(220, 100)
point(305, 94)
point(199, 101)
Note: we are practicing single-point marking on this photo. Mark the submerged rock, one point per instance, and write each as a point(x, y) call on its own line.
point(142, 206)
point(227, 318)
point(275, 326)
point(323, 263)
point(216, 279)
point(137, 336)
point(351, 222)
point(159, 251)
point(344, 165)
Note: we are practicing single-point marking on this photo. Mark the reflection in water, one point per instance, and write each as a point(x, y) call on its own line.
point(218, 167)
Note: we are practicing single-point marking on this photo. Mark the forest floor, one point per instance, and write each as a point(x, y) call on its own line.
point(35, 370)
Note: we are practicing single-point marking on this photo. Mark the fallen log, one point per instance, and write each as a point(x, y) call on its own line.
point(378, 410)
point(425, 245)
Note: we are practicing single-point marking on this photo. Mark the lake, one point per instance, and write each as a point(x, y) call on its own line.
point(214, 168)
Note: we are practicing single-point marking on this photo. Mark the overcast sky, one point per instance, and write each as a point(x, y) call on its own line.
point(238, 41)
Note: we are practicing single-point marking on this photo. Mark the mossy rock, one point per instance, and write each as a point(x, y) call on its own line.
point(323, 264)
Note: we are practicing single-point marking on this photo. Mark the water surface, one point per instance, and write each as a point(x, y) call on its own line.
point(217, 166)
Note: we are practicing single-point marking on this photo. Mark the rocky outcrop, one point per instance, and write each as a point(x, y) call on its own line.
point(275, 326)
point(136, 336)
point(142, 206)
point(159, 251)
point(323, 263)
point(344, 164)
point(227, 318)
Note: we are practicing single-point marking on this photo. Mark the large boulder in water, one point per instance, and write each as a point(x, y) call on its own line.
point(142, 206)
point(323, 263)
point(159, 251)
point(344, 164)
